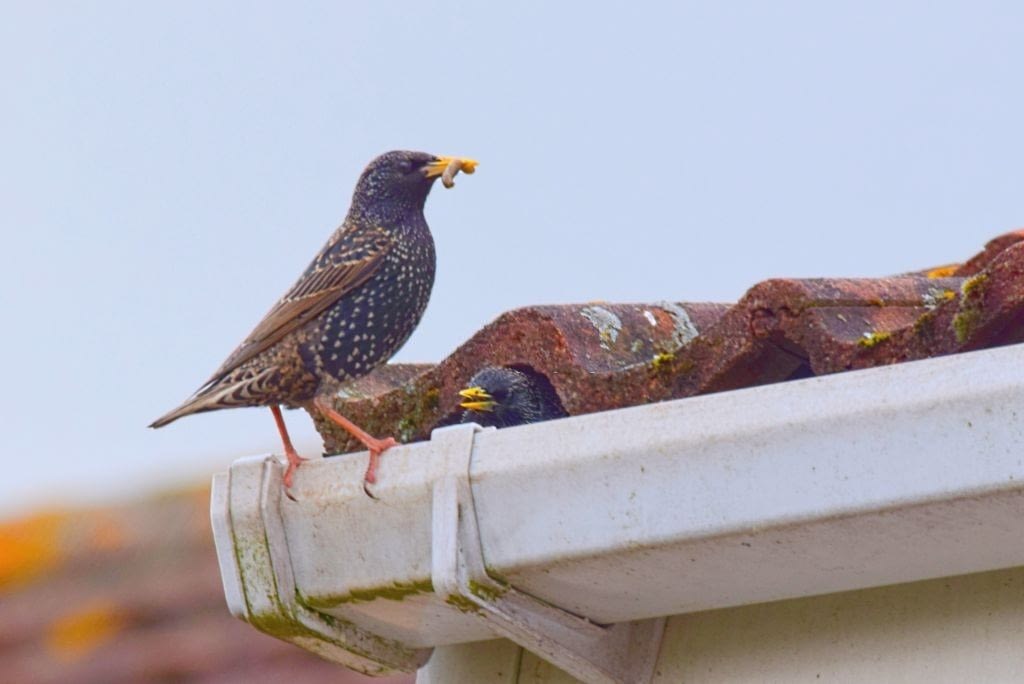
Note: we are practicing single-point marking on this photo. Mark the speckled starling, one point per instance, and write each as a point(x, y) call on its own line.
point(353, 307)
point(504, 397)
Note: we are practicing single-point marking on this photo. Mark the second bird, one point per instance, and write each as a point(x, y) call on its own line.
point(353, 307)
point(501, 396)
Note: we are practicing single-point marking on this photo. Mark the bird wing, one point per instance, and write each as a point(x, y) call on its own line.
point(348, 260)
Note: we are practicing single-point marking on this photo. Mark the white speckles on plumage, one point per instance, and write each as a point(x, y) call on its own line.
point(375, 273)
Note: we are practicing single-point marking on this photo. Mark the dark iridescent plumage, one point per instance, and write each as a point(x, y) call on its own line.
point(504, 397)
point(353, 307)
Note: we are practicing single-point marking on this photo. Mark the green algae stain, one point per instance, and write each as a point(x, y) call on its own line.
point(277, 624)
point(462, 603)
point(252, 562)
point(397, 591)
point(496, 576)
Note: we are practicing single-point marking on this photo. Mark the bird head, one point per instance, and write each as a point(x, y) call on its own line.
point(502, 397)
point(404, 177)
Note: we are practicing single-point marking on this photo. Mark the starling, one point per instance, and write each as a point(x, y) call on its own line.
point(504, 397)
point(353, 307)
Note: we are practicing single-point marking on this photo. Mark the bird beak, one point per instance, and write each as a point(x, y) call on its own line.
point(438, 166)
point(477, 399)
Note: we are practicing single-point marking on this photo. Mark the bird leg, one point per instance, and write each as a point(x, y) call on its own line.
point(375, 446)
point(289, 451)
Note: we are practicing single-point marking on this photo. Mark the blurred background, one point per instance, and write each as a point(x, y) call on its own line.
point(168, 171)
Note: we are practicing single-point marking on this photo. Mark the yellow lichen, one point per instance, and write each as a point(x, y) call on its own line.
point(946, 271)
point(972, 284)
point(870, 339)
point(662, 360)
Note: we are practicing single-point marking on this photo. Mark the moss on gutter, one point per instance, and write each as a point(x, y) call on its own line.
point(248, 560)
point(287, 627)
point(496, 576)
point(396, 591)
point(277, 624)
point(276, 621)
point(462, 603)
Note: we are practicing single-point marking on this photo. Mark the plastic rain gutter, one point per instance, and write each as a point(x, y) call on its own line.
point(571, 537)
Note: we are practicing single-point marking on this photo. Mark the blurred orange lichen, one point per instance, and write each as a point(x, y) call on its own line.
point(85, 629)
point(29, 548)
point(943, 271)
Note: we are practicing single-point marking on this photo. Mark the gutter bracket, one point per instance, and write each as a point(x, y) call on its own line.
point(256, 568)
point(624, 653)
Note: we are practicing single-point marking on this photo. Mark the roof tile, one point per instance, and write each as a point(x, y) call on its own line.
point(600, 356)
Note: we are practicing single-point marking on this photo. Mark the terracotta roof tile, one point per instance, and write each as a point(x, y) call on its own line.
point(601, 356)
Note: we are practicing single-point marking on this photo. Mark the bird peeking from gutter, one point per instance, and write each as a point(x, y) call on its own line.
point(353, 307)
point(502, 397)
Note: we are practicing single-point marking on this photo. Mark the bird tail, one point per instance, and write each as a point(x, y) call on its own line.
point(194, 405)
point(228, 392)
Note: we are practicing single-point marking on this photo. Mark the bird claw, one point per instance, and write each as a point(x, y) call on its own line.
point(294, 460)
point(378, 447)
point(375, 446)
point(386, 444)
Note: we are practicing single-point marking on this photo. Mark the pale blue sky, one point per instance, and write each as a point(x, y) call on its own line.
point(167, 172)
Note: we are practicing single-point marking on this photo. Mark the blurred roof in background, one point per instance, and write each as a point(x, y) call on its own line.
point(132, 593)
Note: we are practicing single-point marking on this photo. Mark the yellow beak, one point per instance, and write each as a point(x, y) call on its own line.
point(477, 399)
point(447, 167)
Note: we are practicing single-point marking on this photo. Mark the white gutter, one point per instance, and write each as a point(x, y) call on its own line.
point(827, 484)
